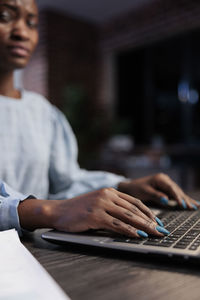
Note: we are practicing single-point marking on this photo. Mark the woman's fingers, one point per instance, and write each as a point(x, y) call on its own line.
point(155, 195)
point(191, 203)
point(122, 219)
point(118, 226)
point(127, 211)
point(167, 185)
point(137, 203)
point(131, 208)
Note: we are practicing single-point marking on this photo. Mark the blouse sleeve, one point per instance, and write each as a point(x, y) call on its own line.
point(9, 201)
point(67, 179)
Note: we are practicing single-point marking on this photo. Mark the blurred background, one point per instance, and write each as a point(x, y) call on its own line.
point(127, 76)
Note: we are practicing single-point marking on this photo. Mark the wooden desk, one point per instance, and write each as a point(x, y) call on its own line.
point(90, 274)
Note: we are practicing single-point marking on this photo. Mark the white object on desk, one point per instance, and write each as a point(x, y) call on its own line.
point(21, 275)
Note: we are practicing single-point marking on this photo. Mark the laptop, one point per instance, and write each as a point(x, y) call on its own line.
point(182, 242)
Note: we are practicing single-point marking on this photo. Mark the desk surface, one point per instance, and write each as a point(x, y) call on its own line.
point(95, 274)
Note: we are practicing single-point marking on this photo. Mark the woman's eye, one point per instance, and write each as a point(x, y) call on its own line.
point(32, 24)
point(5, 16)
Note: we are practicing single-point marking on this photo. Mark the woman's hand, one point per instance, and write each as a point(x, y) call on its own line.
point(158, 188)
point(103, 209)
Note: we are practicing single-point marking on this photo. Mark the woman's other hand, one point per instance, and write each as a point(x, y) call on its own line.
point(158, 188)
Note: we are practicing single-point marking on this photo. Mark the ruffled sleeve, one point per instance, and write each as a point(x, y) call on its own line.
point(67, 179)
point(9, 201)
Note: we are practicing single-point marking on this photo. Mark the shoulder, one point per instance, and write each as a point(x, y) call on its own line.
point(39, 105)
point(35, 99)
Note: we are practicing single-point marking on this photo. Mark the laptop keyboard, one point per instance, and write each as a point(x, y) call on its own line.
point(184, 228)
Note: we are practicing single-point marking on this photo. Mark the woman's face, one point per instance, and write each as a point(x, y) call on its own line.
point(18, 32)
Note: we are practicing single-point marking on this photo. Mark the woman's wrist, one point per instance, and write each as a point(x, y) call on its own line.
point(35, 213)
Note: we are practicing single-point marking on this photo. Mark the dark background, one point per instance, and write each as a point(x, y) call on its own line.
point(126, 74)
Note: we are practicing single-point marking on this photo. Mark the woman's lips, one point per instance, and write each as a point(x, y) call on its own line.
point(18, 51)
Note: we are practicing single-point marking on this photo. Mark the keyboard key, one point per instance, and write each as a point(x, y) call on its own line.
point(172, 238)
point(193, 247)
point(179, 232)
point(193, 232)
point(136, 241)
point(166, 244)
point(163, 245)
point(132, 241)
point(195, 244)
point(184, 243)
point(151, 243)
point(180, 246)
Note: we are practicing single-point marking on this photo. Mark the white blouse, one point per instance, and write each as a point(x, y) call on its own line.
point(38, 153)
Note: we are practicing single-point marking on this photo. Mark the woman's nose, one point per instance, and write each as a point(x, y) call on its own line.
point(20, 30)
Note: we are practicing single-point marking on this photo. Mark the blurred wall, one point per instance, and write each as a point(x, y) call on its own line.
point(73, 56)
point(76, 59)
point(35, 76)
point(152, 22)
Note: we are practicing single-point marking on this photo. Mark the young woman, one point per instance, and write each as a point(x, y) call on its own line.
point(39, 156)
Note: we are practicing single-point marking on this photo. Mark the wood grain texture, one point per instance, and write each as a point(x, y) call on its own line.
point(89, 273)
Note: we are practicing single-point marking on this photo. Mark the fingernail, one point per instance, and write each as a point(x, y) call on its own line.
point(162, 230)
point(184, 204)
point(142, 233)
point(159, 221)
point(194, 206)
point(197, 202)
point(164, 200)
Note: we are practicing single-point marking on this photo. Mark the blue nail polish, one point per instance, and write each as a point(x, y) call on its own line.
point(197, 201)
point(194, 206)
point(142, 233)
point(159, 222)
point(162, 230)
point(164, 200)
point(184, 204)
